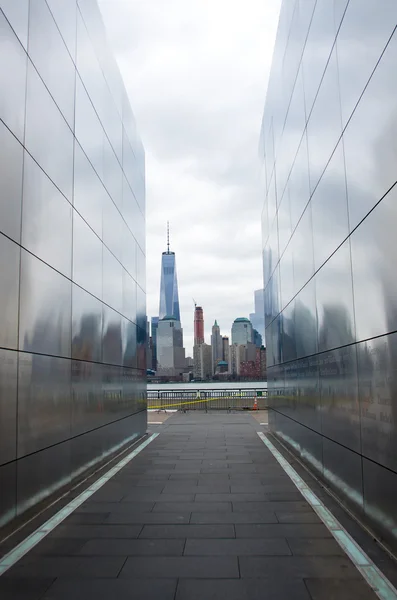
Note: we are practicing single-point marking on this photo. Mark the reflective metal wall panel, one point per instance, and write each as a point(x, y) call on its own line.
point(377, 386)
point(46, 219)
point(72, 251)
point(17, 14)
point(334, 295)
point(45, 309)
point(11, 158)
point(374, 251)
point(10, 254)
point(88, 397)
point(380, 493)
point(329, 257)
point(50, 56)
point(8, 405)
point(44, 407)
point(343, 469)
point(112, 281)
point(64, 13)
point(89, 193)
point(87, 257)
point(41, 474)
point(8, 496)
point(369, 142)
point(95, 444)
point(48, 137)
point(86, 326)
point(339, 396)
point(112, 342)
point(13, 65)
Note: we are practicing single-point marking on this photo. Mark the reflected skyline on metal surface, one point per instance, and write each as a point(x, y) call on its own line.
point(328, 227)
point(72, 231)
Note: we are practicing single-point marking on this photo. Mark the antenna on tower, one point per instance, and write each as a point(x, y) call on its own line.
point(195, 303)
point(168, 237)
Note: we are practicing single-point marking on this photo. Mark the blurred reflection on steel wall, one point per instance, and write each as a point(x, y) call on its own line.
point(72, 251)
point(329, 245)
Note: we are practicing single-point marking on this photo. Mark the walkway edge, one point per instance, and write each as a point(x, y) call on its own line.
point(33, 539)
point(382, 587)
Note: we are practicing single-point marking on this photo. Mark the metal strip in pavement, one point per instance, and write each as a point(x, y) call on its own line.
point(34, 538)
point(379, 583)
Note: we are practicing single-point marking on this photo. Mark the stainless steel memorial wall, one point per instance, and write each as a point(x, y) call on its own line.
point(329, 226)
point(72, 251)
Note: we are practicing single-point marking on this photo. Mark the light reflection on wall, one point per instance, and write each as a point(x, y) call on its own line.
point(329, 248)
point(72, 232)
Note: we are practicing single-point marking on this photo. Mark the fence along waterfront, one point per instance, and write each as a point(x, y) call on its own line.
point(209, 399)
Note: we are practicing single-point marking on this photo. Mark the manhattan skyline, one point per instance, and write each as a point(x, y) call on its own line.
point(191, 70)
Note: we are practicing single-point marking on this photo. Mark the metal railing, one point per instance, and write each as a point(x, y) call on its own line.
point(208, 399)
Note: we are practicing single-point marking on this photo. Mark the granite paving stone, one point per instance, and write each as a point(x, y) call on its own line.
point(218, 567)
point(150, 496)
point(233, 517)
point(104, 495)
point(148, 518)
point(242, 589)
point(24, 589)
point(86, 518)
point(297, 566)
point(314, 547)
point(297, 517)
point(203, 512)
point(217, 531)
point(339, 589)
point(186, 477)
point(96, 532)
point(105, 589)
point(237, 547)
point(112, 507)
point(176, 488)
point(64, 566)
point(229, 497)
point(55, 546)
point(141, 547)
point(258, 530)
point(192, 506)
point(260, 488)
point(267, 506)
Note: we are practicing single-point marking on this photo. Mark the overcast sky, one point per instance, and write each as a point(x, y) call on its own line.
point(196, 72)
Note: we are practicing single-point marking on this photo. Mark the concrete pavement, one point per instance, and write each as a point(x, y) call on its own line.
point(204, 512)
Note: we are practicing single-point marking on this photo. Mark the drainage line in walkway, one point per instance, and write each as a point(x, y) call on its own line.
point(32, 540)
point(382, 587)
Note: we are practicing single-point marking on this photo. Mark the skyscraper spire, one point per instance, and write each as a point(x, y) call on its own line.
point(169, 297)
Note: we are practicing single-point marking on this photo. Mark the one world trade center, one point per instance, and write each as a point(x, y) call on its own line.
point(169, 299)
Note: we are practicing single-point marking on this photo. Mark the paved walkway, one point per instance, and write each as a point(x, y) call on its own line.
point(204, 512)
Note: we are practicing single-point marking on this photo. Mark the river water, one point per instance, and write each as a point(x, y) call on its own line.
point(215, 385)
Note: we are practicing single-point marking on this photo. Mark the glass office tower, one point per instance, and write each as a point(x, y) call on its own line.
point(329, 226)
point(72, 251)
point(169, 297)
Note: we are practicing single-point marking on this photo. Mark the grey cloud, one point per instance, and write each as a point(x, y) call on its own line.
point(196, 76)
